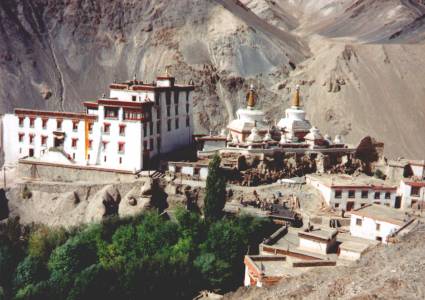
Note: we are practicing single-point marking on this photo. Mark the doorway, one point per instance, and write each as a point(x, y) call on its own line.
point(397, 203)
point(31, 152)
point(350, 205)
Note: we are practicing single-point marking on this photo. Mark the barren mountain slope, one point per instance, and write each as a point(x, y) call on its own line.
point(54, 54)
point(387, 272)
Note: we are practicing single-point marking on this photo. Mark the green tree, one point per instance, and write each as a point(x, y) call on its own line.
point(30, 271)
point(215, 194)
point(44, 240)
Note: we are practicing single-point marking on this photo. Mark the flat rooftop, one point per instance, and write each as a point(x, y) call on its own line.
point(382, 213)
point(320, 233)
point(347, 181)
point(277, 266)
point(354, 246)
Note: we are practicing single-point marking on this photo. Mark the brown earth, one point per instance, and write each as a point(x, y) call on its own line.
point(360, 62)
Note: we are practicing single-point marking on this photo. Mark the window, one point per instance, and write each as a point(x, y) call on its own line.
point(90, 127)
point(21, 137)
point(151, 128)
point(176, 97)
point(74, 142)
point(88, 156)
point(169, 125)
point(73, 156)
point(145, 129)
point(90, 144)
point(338, 194)
point(379, 239)
point(120, 160)
point(187, 108)
point(158, 143)
point(378, 226)
point(387, 195)
point(122, 130)
point(111, 113)
point(31, 138)
point(359, 222)
point(365, 194)
point(351, 194)
point(177, 123)
point(187, 121)
point(104, 145)
point(106, 128)
point(75, 125)
point(59, 124)
point(44, 123)
point(176, 108)
point(32, 121)
point(104, 158)
point(21, 121)
point(157, 95)
point(336, 205)
point(43, 140)
point(145, 146)
point(133, 98)
point(168, 111)
point(363, 205)
point(132, 115)
point(168, 98)
point(121, 147)
point(152, 145)
point(377, 195)
point(158, 127)
point(415, 191)
point(187, 96)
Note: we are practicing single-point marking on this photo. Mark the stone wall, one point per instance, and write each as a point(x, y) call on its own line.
point(51, 172)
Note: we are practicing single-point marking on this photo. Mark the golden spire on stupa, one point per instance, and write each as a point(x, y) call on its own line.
point(296, 98)
point(251, 97)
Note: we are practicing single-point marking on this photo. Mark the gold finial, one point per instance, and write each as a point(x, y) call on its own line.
point(296, 99)
point(167, 74)
point(251, 97)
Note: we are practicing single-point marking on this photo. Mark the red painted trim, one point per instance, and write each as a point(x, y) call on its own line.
point(41, 113)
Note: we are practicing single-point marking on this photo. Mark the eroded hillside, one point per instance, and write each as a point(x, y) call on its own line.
point(359, 62)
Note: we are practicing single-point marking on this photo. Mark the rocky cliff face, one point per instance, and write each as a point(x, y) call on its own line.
point(360, 62)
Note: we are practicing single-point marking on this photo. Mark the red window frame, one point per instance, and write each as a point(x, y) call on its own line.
point(43, 140)
point(90, 144)
point(122, 129)
point(32, 138)
point(121, 147)
point(21, 136)
point(59, 123)
point(21, 121)
point(104, 145)
point(75, 125)
point(74, 142)
point(106, 128)
point(44, 123)
point(32, 122)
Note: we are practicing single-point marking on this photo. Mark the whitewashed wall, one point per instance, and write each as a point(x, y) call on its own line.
point(368, 228)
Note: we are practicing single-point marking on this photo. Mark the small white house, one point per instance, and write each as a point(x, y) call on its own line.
point(412, 193)
point(350, 250)
point(191, 169)
point(344, 192)
point(375, 222)
point(318, 241)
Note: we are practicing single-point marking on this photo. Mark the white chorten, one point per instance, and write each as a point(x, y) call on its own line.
point(254, 137)
point(247, 119)
point(295, 124)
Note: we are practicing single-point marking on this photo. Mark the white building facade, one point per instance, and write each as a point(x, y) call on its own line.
point(377, 223)
point(122, 132)
point(412, 193)
point(353, 195)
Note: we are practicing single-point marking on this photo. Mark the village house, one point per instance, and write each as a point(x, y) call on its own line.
point(321, 241)
point(122, 132)
point(376, 222)
point(412, 193)
point(344, 192)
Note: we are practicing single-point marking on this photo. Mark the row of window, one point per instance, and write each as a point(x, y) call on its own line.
point(176, 110)
point(364, 194)
point(177, 123)
point(44, 123)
